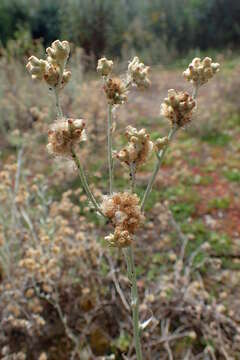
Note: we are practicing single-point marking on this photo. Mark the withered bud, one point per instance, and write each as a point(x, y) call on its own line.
point(160, 143)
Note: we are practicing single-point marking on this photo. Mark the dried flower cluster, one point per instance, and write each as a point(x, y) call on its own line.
point(199, 72)
point(138, 73)
point(178, 107)
point(123, 210)
point(64, 135)
point(104, 67)
point(115, 88)
point(138, 149)
point(52, 69)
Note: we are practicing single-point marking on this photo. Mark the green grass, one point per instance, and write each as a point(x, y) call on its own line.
point(216, 138)
point(233, 121)
point(219, 203)
point(232, 175)
point(182, 211)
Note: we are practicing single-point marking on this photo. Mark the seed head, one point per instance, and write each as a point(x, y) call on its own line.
point(138, 73)
point(65, 134)
point(178, 107)
point(104, 67)
point(115, 91)
point(138, 149)
point(124, 212)
point(199, 72)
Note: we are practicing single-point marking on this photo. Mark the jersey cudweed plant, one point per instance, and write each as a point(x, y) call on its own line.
point(124, 210)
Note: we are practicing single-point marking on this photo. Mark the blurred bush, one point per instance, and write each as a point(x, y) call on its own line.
point(157, 29)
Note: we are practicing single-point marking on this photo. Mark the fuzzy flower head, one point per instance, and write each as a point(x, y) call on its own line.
point(58, 52)
point(124, 212)
point(115, 90)
point(138, 73)
point(64, 135)
point(51, 70)
point(199, 72)
point(138, 149)
point(178, 107)
point(104, 67)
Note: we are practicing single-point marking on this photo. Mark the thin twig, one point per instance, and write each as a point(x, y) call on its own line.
point(110, 158)
point(85, 183)
point(160, 157)
point(117, 285)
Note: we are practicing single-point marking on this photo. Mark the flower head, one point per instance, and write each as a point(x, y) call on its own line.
point(124, 212)
point(65, 134)
point(58, 52)
point(138, 149)
point(178, 107)
point(104, 67)
point(138, 73)
point(51, 70)
point(199, 72)
point(115, 91)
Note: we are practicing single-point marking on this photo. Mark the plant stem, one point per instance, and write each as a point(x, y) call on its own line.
point(58, 106)
point(195, 91)
point(57, 90)
point(110, 159)
point(160, 157)
point(85, 184)
point(134, 300)
point(133, 176)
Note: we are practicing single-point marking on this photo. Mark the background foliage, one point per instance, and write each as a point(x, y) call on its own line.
point(159, 29)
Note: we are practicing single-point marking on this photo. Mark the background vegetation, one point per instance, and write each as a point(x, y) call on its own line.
point(157, 29)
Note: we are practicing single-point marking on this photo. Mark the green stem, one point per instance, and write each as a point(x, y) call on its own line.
point(110, 159)
point(134, 300)
point(85, 184)
point(160, 157)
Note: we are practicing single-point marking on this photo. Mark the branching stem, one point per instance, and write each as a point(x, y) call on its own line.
point(131, 270)
point(160, 157)
point(110, 158)
point(85, 183)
